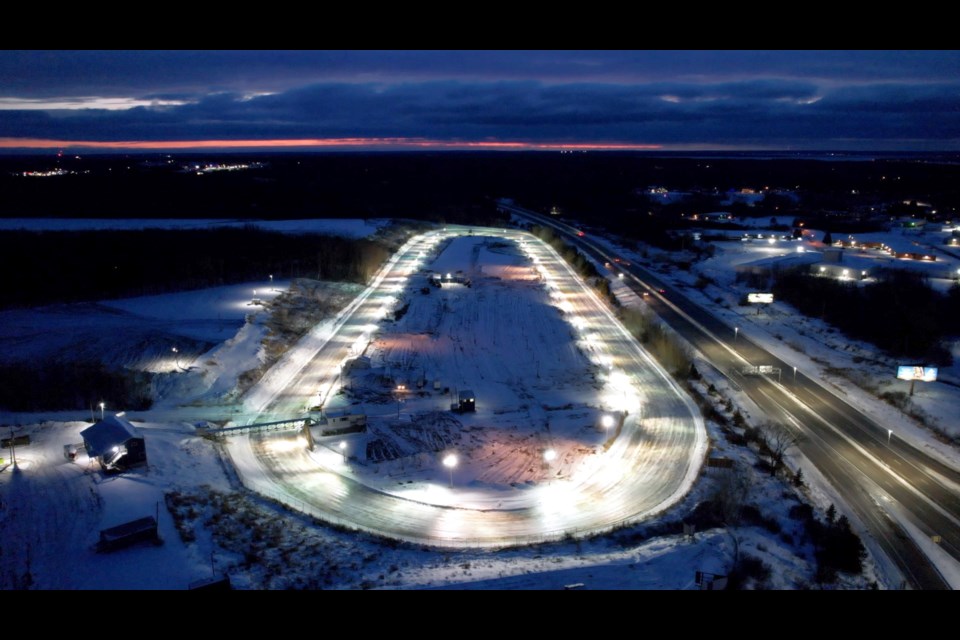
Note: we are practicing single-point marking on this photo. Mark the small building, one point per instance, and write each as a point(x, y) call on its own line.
point(115, 444)
point(338, 424)
point(467, 402)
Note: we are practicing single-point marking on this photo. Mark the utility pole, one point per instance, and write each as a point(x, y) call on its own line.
point(13, 449)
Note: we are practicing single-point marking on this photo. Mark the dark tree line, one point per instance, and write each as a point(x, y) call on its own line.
point(59, 266)
point(574, 258)
point(33, 386)
point(900, 313)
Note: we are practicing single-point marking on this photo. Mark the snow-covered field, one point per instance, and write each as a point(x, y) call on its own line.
point(198, 341)
point(346, 227)
point(542, 389)
point(53, 508)
point(546, 360)
point(853, 368)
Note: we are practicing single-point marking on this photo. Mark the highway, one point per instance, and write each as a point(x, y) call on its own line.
point(649, 465)
point(877, 476)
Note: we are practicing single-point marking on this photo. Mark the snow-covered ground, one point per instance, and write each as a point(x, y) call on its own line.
point(346, 227)
point(53, 510)
point(543, 390)
point(197, 341)
point(815, 348)
point(58, 507)
point(545, 357)
point(851, 369)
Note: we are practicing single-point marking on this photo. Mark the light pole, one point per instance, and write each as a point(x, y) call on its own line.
point(736, 332)
point(400, 389)
point(176, 355)
point(102, 405)
point(607, 421)
point(794, 374)
point(343, 449)
point(13, 449)
point(549, 456)
point(889, 435)
point(450, 461)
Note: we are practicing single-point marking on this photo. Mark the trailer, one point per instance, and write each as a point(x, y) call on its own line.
point(129, 533)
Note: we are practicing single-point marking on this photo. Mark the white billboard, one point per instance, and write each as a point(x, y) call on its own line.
point(916, 372)
point(765, 298)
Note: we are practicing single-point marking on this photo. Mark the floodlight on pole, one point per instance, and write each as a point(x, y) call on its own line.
point(102, 406)
point(450, 461)
point(343, 449)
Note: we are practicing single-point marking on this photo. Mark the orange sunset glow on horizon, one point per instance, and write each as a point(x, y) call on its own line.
point(322, 143)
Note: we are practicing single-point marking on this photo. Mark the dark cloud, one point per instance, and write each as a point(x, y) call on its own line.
point(56, 73)
point(790, 99)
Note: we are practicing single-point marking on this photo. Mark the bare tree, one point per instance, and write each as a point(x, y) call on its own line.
point(730, 494)
point(778, 440)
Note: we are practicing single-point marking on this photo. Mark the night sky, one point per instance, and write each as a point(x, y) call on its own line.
point(677, 100)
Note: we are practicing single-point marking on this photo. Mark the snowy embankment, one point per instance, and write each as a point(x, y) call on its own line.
point(842, 365)
point(822, 354)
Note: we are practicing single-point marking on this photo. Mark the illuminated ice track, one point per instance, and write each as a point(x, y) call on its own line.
point(651, 463)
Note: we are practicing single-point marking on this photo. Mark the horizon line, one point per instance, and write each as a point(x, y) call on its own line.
point(322, 143)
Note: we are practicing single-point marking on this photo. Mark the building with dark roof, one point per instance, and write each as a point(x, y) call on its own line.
point(115, 444)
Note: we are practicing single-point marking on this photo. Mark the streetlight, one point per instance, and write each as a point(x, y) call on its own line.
point(176, 355)
point(549, 456)
point(889, 435)
point(271, 278)
point(794, 374)
point(13, 449)
point(343, 449)
point(450, 461)
point(606, 421)
point(736, 332)
point(102, 405)
point(400, 389)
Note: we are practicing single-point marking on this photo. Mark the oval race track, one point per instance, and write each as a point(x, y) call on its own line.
point(650, 465)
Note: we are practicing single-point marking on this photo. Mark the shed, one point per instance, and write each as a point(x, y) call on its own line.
point(468, 401)
point(338, 424)
point(115, 444)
